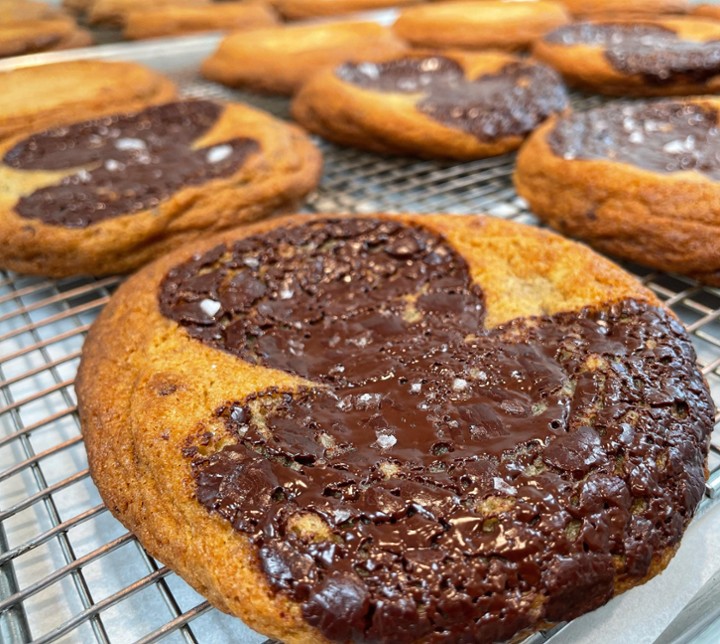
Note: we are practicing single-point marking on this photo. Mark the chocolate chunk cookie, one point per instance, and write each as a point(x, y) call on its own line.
point(672, 56)
point(638, 180)
point(411, 429)
point(461, 106)
point(107, 195)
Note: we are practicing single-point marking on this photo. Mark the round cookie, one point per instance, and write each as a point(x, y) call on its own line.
point(107, 195)
point(638, 180)
point(175, 21)
point(663, 57)
point(36, 36)
point(453, 105)
point(279, 60)
point(479, 25)
point(408, 429)
point(650, 7)
point(39, 95)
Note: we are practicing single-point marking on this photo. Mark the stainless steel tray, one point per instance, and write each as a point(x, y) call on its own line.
point(68, 570)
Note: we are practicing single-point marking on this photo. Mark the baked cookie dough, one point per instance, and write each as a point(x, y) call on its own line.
point(175, 21)
point(650, 7)
point(107, 195)
point(36, 36)
point(22, 10)
point(313, 8)
point(278, 60)
point(412, 429)
point(40, 95)
point(459, 105)
point(479, 25)
point(707, 11)
point(670, 56)
point(639, 180)
point(114, 12)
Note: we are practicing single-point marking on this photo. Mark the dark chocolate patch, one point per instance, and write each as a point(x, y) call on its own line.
point(655, 52)
point(512, 102)
point(661, 136)
point(124, 163)
point(471, 482)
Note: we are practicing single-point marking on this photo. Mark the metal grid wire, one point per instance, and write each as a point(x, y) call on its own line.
point(68, 570)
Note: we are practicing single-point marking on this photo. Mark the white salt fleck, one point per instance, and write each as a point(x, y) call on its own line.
point(500, 485)
point(636, 137)
point(286, 293)
point(416, 387)
point(113, 165)
point(674, 147)
point(385, 441)
point(251, 262)
point(459, 384)
point(83, 175)
point(130, 144)
point(218, 153)
point(341, 515)
point(210, 307)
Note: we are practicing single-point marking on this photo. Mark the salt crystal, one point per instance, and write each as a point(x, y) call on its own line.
point(385, 441)
point(415, 387)
point(636, 137)
point(251, 262)
point(674, 147)
point(113, 165)
point(459, 384)
point(130, 144)
point(218, 153)
point(500, 485)
point(286, 293)
point(210, 307)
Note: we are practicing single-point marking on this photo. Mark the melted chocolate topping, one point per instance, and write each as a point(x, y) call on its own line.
point(510, 103)
point(441, 480)
point(128, 163)
point(666, 136)
point(656, 52)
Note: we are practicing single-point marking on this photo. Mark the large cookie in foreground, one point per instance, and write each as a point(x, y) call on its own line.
point(450, 105)
point(648, 57)
point(638, 180)
point(396, 429)
point(108, 195)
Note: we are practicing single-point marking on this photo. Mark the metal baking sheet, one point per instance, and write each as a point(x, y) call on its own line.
point(68, 571)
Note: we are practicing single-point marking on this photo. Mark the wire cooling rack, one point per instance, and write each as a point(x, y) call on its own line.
point(68, 571)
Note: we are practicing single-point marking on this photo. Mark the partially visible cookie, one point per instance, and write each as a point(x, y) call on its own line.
point(173, 21)
point(650, 7)
point(31, 97)
point(21, 10)
point(658, 57)
point(455, 105)
point(279, 59)
point(35, 36)
point(638, 180)
point(707, 11)
point(479, 25)
point(107, 195)
point(114, 12)
point(77, 6)
point(312, 8)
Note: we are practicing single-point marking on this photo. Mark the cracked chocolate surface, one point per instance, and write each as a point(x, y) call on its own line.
point(512, 102)
point(124, 163)
point(439, 480)
point(661, 136)
point(658, 53)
